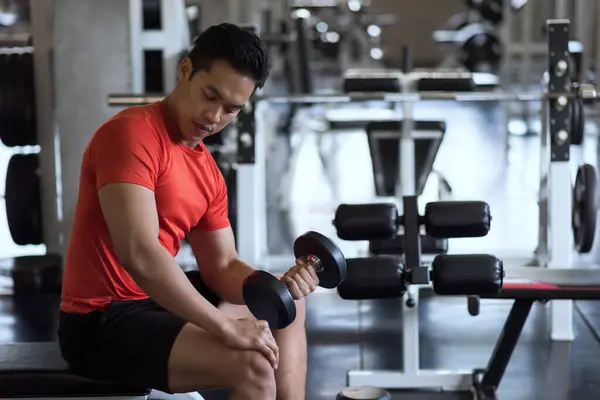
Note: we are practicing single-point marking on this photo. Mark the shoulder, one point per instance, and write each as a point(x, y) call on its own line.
point(133, 125)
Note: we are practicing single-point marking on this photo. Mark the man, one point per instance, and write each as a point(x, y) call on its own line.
point(128, 312)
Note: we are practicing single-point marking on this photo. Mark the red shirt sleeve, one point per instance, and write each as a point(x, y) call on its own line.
point(217, 214)
point(126, 150)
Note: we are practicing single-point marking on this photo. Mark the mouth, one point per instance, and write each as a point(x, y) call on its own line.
point(203, 130)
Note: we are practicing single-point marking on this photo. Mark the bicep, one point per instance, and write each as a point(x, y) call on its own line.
point(213, 249)
point(130, 214)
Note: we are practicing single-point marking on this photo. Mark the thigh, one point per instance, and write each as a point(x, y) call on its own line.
point(131, 345)
point(235, 311)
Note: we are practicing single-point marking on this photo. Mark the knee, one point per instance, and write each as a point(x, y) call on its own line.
point(258, 373)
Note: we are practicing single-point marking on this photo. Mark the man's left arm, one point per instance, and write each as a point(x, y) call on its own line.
point(213, 245)
point(218, 262)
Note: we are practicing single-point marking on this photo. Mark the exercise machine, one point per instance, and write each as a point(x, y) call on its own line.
point(390, 277)
point(404, 275)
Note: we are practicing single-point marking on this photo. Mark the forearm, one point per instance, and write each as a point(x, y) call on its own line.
point(228, 284)
point(157, 273)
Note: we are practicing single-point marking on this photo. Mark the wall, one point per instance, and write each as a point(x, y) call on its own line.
point(91, 60)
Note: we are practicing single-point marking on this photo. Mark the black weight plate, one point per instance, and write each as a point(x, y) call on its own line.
point(11, 126)
point(3, 103)
point(18, 101)
point(332, 259)
point(269, 299)
point(23, 199)
point(584, 208)
point(29, 101)
point(491, 10)
point(577, 120)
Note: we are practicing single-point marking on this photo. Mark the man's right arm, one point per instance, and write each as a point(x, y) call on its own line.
point(132, 220)
point(127, 156)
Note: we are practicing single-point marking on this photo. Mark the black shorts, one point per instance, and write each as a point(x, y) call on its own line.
point(127, 343)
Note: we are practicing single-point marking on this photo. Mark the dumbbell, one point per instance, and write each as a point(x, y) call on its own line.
point(442, 219)
point(269, 299)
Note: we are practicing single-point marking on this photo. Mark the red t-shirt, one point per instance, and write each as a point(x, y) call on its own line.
point(134, 146)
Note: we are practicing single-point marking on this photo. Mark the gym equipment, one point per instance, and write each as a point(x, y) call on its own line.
point(442, 219)
point(363, 393)
point(584, 208)
point(23, 199)
point(577, 124)
point(395, 246)
point(17, 92)
point(489, 10)
point(37, 370)
point(269, 299)
point(124, 100)
point(387, 277)
point(526, 286)
point(479, 48)
point(384, 146)
point(393, 277)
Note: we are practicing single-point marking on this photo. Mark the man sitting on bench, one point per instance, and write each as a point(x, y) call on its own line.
point(129, 313)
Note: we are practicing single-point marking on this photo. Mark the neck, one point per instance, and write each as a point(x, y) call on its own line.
point(173, 126)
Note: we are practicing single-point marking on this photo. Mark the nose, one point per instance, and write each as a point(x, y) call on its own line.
point(213, 115)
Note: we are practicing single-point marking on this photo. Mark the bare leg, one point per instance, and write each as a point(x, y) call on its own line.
point(198, 361)
point(290, 377)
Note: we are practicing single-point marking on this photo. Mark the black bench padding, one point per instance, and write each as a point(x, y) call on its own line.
point(38, 370)
point(385, 154)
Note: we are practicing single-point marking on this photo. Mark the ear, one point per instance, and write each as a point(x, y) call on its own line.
point(185, 69)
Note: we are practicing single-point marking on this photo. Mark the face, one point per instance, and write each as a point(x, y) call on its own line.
point(210, 100)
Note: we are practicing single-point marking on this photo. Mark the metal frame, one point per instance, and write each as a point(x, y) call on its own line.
point(171, 39)
point(487, 381)
point(559, 174)
point(412, 376)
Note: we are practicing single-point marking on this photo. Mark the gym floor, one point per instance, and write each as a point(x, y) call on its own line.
point(346, 335)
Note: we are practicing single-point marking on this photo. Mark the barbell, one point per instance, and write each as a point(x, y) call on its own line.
point(586, 92)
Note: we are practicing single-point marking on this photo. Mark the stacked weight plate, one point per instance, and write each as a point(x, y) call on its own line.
point(18, 129)
point(17, 98)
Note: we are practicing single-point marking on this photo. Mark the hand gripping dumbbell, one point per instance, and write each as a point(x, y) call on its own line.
point(442, 219)
point(269, 299)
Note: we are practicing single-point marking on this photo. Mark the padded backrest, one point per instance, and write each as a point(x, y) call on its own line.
point(371, 80)
point(384, 145)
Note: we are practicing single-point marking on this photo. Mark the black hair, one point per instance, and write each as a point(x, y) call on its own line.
point(241, 48)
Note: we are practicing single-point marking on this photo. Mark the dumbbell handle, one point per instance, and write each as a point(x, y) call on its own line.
point(315, 262)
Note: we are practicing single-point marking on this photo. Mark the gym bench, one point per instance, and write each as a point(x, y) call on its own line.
point(37, 370)
point(523, 285)
point(526, 286)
